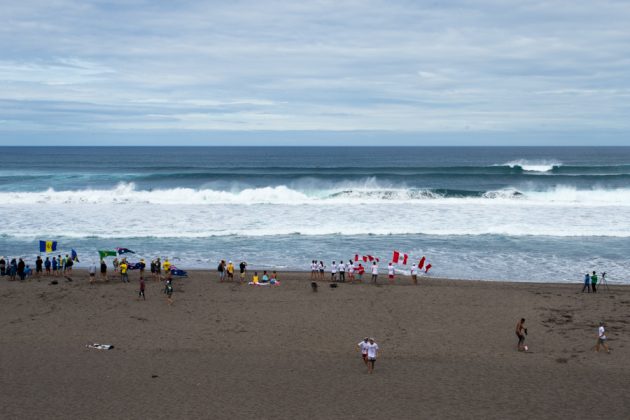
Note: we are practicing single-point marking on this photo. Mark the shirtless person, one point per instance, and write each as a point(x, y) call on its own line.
point(520, 329)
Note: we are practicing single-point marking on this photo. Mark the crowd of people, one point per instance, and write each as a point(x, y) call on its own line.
point(353, 271)
point(18, 268)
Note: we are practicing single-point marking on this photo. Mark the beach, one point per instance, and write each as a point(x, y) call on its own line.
point(228, 350)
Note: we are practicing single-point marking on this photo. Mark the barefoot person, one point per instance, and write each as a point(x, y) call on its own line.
point(521, 332)
point(372, 352)
point(414, 274)
point(363, 348)
point(141, 291)
point(601, 338)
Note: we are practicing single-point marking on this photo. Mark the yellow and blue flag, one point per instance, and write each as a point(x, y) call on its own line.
point(47, 246)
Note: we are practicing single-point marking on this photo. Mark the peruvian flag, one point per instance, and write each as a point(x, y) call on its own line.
point(428, 268)
point(399, 257)
point(421, 263)
point(370, 258)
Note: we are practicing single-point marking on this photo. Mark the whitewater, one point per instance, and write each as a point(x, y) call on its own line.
point(532, 214)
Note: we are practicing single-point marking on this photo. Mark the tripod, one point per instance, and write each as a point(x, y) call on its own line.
point(604, 283)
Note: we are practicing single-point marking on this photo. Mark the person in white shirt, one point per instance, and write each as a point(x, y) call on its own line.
point(390, 272)
point(363, 347)
point(601, 338)
point(372, 352)
point(374, 272)
point(92, 271)
point(313, 270)
point(333, 271)
point(414, 273)
point(350, 271)
point(321, 268)
point(342, 271)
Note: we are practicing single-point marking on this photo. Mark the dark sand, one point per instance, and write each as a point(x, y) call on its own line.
point(236, 351)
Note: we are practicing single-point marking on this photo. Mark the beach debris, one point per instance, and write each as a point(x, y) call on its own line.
point(100, 346)
point(333, 285)
point(314, 286)
point(54, 282)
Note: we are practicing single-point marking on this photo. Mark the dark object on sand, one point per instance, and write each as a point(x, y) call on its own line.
point(54, 282)
point(333, 285)
point(314, 286)
point(68, 279)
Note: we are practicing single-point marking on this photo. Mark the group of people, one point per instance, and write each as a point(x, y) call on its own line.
point(226, 271)
point(354, 270)
point(591, 280)
point(17, 267)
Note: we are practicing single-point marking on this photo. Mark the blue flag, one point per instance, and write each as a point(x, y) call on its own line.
point(47, 246)
point(124, 251)
point(75, 256)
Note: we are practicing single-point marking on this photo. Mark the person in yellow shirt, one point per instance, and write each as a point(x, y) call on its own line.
point(123, 271)
point(255, 278)
point(230, 271)
point(166, 265)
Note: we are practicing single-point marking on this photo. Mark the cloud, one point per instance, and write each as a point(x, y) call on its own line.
point(336, 66)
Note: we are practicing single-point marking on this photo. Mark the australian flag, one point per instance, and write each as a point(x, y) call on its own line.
point(122, 251)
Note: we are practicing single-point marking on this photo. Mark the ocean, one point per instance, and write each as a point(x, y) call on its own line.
point(538, 214)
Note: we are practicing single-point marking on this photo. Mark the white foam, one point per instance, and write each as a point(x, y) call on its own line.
point(533, 165)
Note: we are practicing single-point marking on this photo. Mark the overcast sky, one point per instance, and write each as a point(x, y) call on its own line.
point(315, 72)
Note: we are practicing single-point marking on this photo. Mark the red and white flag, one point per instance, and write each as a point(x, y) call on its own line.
point(400, 258)
point(428, 268)
point(421, 263)
point(370, 258)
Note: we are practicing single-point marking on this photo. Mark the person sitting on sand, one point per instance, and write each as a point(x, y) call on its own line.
point(255, 278)
point(265, 277)
point(520, 329)
point(274, 279)
point(601, 338)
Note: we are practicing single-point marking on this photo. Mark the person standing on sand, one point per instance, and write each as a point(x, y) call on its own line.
point(374, 272)
point(230, 271)
point(372, 352)
point(141, 291)
point(360, 272)
point(39, 266)
point(342, 271)
point(221, 270)
point(242, 267)
point(103, 270)
point(333, 271)
point(47, 266)
point(363, 348)
point(21, 269)
point(587, 283)
point(92, 271)
point(521, 332)
point(414, 274)
point(321, 268)
point(391, 273)
point(594, 282)
point(601, 338)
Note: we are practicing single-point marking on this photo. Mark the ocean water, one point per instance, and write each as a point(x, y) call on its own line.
point(510, 213)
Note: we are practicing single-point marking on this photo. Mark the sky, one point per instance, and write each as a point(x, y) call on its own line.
point(318, 72)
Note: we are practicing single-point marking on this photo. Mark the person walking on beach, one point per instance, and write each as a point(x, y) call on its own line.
point(601, 338)
point(168, 289)
point(363, 348)
point(594, 280)
point(372, 352)
point(521, 332)
point(587, 283)
point(374, 272)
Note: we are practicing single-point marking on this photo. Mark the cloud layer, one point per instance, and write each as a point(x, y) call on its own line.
point(340, 66)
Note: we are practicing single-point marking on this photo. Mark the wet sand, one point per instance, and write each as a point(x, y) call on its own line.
point(226, 350)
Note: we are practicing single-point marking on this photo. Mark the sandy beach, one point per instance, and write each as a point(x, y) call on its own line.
point(226, 350)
